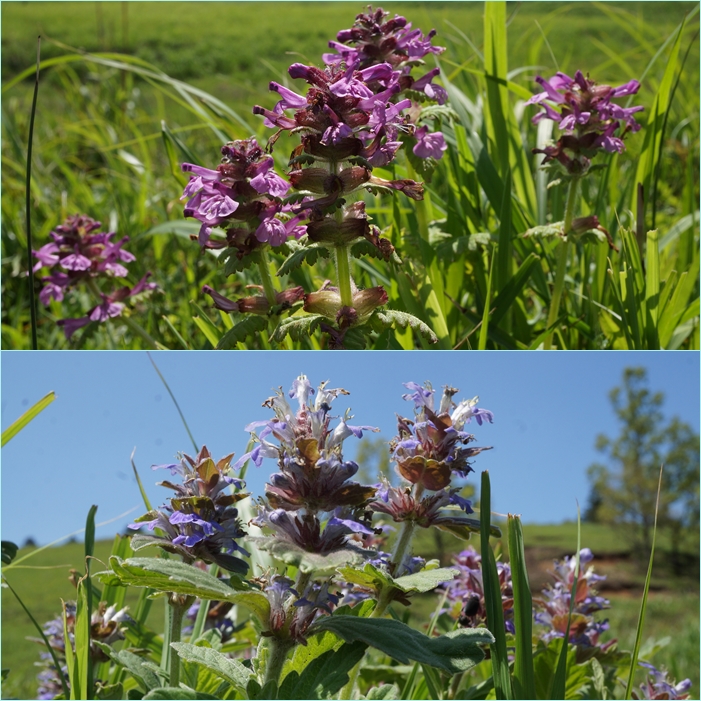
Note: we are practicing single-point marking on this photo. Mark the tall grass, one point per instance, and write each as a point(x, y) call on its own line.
point(111, 130)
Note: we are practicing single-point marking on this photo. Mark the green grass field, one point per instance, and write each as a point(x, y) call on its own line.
point(672, 612)
point(100, 148)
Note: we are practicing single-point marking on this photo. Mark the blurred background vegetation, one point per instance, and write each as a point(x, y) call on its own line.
point(99, 147)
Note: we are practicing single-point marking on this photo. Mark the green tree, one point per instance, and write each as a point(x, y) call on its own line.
point(624, 489)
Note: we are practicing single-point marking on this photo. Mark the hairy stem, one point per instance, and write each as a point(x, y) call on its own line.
point(562, 255)
point(277, 654)
point(266, 277)
point(344, 276)
point(178, 607)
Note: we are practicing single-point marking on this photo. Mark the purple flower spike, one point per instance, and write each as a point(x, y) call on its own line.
point(585, 114)
point(78, 254)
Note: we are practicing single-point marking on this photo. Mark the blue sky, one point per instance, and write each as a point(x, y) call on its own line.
point(548, 409)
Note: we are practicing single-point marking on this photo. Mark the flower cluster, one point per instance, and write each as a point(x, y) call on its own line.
point(244, 197)
point(79, 253)
point(291, 619)
point(105, 627)
point(657, 686)
point(314, 478)
point(554, 606)
point(351, 120)
point(430, 449)
point(201, 521)
point(585, 114)
point(465, 593)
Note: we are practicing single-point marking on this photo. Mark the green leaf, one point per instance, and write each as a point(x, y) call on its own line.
point(426, 580)
point(168, 576)
point(170, 692)
point(649, 158)
point(249, 327)
point(523, 679)
point(453, 652)
point(545, 664)
point(135, 665)
point(321, 565)
point(322, 676)
point(391, 318)
point(183, 228)
point(652, 289)
point(370, 577)
point(386, 691)
point(234, 264)
point(9, 551)
point(508, 294)
point(492, 598)
point(297, 327)
point(300, 254)
point(545, 230)
point(363, 247)
point(14, 428)
point(228, 669)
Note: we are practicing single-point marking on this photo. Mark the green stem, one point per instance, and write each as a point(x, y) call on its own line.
point(400, 550)
point(277, 654)
point(344, 276)
point(266, 277)
point(562, 255)
point(178, 607)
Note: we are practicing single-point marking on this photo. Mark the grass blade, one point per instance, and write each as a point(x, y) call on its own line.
point(175, 401)
point(523, 679)
point(646, 590)
point(654, 132)
point(14, 428)
point(144, 496)
point(652, 289)
point(492, 598)
point(30, 263)
point(484, 329)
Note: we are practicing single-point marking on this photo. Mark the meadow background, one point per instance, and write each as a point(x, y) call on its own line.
point(548, 410)
point(111, 131)
point(672, 621)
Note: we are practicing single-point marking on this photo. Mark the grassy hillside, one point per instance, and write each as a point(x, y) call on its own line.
point(672, 612)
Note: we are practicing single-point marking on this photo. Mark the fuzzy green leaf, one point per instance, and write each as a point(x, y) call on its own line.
point(228, 669)
point(310, 562)
point(301, 254)
point(324, 675)
point(249, 327)
point(168, 576)
point(135, 665)
point(386, 691)
point(297, 327)
point(171, 692)
point(426, 580)
point(453, 652)
point(391, 318)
